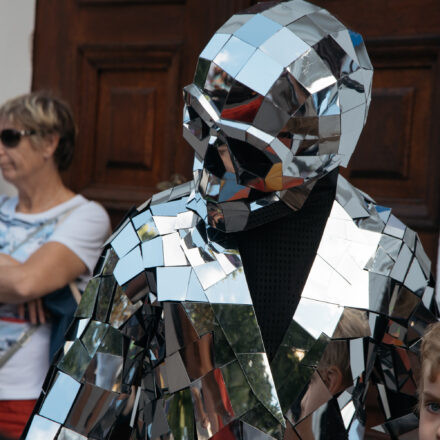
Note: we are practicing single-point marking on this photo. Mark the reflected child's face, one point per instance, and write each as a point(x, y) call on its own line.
point(429, 427)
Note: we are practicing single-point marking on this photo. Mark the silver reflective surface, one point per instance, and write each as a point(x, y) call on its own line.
point(257, 30)
point(126, 240)
point(233, 55)
point(42, 429)
point(260, 61)
point(68, 434)
point(60, 397)
point(284, 47)
point(129, 266)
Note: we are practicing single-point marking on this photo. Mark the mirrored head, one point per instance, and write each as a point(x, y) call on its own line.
point(280, 96)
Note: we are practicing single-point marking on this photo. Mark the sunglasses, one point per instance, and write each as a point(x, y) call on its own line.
point(10, 137)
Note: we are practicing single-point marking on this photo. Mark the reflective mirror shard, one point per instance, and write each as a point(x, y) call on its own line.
point(87, 305)
point(75, 361)
point(42, 428)
point(60, 397)
point(126, 240)
point(129, 266)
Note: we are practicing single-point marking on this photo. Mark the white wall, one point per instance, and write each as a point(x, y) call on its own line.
point(17, 20)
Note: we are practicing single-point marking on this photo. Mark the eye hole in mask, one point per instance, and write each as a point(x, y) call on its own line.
point(196, 125)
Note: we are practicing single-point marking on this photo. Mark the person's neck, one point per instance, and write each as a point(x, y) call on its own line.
point(41, 193)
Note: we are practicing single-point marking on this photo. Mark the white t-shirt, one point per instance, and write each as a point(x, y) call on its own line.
point(80, 225)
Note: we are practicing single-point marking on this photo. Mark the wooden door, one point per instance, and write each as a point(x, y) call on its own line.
point(122, 64)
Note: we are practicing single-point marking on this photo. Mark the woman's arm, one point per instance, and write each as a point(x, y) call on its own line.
point(7, 260)
point(49, 268)
point(35, 308)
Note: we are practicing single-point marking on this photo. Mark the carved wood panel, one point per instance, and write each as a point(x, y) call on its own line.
point(131, 135)
point(126, 95)
point(386, 158)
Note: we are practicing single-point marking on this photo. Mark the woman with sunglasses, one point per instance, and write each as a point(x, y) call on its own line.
point(49, 237)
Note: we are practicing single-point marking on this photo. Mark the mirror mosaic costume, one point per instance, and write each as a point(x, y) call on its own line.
point(166, 342)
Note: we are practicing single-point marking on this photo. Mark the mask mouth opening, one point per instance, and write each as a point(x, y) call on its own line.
point(252, 165)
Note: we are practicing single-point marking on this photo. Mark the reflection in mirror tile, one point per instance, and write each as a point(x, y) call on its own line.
point(129, 266)
point(284, 47)
point(75, 361)
point(258, 61)
point(260, 417)
point(122, 309)
point(257, 371)
point(257, 30)
point(422, 258)
point(68, 434)
point(201, 316)
point(125, 241)
point(215, 411)
point(164, 224)
point(213, 47)
point(152, 253)
point(87, 305)
point(93, 336)
point(172, 283)
point(180, 415)
point(173, 254)
point(110, 261)
point(105, 371)
point(176, 373)
point(179, 331)
point(91, 404)
point(234, 55)
point(42, 429)
point(60, 397)
point(305, 29)
point(395, 227)
point(402, 264)
point(240, 326)
point(198, 357)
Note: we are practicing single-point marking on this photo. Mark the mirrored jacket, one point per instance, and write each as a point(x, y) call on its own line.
point(166, 342)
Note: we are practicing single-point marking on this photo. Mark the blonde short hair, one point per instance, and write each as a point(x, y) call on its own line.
point(430, 352)
point(46, 115)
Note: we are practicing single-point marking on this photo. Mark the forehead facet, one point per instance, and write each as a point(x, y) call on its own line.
point(234, 55)
point(257, 30)
point(284, 47)
point(259, 48)
point(258, 63)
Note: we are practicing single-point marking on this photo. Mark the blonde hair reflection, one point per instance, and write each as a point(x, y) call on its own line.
point(353, 324)
point(333, 374)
